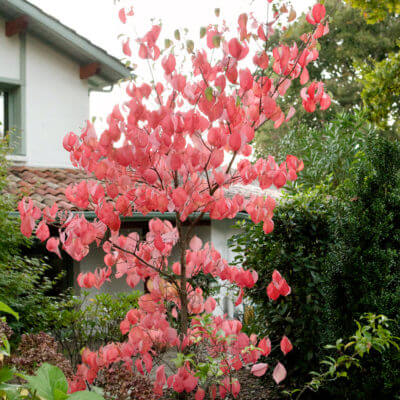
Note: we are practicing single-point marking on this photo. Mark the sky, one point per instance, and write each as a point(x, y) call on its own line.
point(97, 20)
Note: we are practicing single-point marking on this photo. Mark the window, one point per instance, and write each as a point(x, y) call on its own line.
point(4, 113)
point(10, 117)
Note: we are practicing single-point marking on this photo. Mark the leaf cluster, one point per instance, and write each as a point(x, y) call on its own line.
point(376, 10)
point(327, 151)
point(373, 334)
point(49, 382)
point(89, 321)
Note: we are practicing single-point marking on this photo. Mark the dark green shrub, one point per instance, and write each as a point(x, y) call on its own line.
point(340, 254)
point(362, 270)
point(24, 285)
point(297, 248)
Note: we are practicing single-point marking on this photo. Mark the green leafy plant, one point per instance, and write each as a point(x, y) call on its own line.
point(373, 334)
point(298, 247)
point(89, 321)
point(360, 273)
point(25, 286)
point(24, 282)
point(49, 382)
point(327, 151)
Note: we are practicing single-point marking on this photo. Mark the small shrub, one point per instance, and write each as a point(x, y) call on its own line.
point(23, 280)
point(79, 322)
point(120, 383)
point(24, 285)
point(35, 350)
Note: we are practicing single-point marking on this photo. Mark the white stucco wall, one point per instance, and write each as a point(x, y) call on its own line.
point(95, 259)
point(57, 101)
point(221, 231)
point(9, 54)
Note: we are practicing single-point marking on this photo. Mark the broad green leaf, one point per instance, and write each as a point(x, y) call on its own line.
point(5, 308)
point(12, 392)
point(49, 383)
point(6, 374)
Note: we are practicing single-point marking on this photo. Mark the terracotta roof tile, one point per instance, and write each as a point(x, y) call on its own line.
point(47, 186)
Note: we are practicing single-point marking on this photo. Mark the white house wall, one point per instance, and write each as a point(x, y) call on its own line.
point(9, 54)
point(221, 231)
point(95, 259)
point(57, 101)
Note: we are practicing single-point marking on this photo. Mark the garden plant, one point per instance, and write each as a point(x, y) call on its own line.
point(175, 146)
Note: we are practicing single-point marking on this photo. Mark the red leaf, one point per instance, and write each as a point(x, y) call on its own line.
point(195, 243)
point(42, 231)
point(279, 373)
point(265, 346)
point(259, 369)
point(200, 394)
point(52, 246)
point(209, 305)
point(126, 48)
point(318, 12)
point(122, 15)
point(286, 345)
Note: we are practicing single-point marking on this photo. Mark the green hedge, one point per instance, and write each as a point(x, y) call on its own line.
point(340, 254)
point(362, 272)
point(297, 248)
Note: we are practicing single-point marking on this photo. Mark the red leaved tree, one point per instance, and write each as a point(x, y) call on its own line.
point(175, 147)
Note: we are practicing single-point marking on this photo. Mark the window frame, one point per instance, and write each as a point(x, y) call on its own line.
point(14, 130)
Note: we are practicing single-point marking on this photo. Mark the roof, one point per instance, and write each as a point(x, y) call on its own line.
point(68, 41)
point(46, 186)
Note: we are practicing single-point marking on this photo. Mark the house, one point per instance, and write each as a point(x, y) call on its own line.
point(46, 75)
point(45, 87)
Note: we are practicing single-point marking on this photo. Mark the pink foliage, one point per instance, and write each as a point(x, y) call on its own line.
point(171, 147)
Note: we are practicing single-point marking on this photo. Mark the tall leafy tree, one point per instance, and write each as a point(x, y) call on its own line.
point(351, 42)
point(381, 92)
point(381, 78)
point(376, 10)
